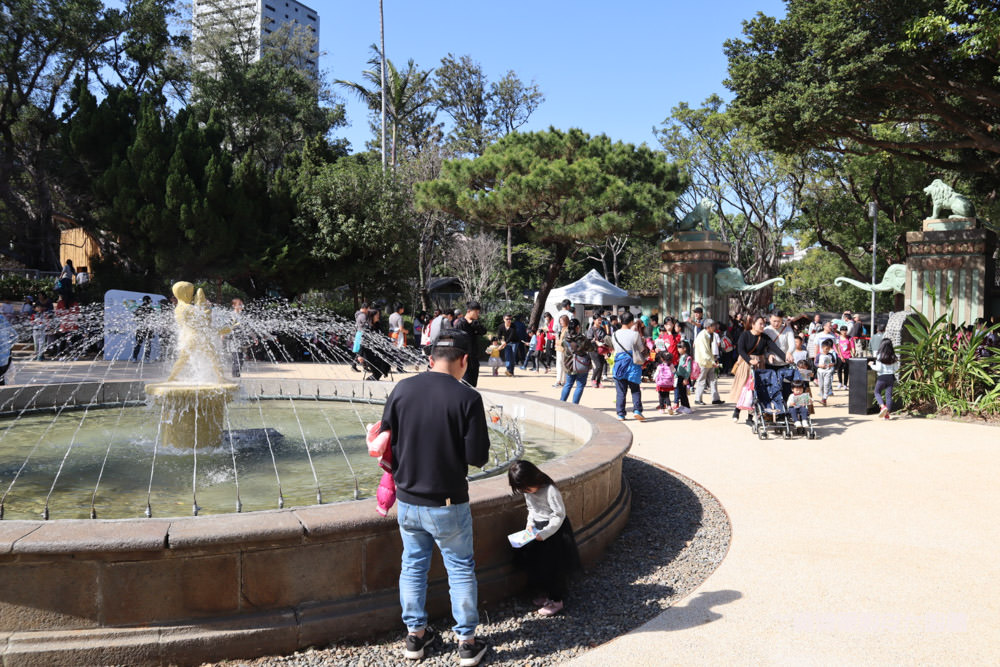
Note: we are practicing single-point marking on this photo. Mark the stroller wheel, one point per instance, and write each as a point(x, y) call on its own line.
point(762, 434)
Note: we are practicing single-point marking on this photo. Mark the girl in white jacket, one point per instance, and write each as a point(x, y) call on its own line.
point(552, 556)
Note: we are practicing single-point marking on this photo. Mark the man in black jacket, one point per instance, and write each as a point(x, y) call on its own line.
point(438, 429)
point(471, 325)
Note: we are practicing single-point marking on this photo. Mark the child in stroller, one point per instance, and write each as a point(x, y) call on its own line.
point(772, 388)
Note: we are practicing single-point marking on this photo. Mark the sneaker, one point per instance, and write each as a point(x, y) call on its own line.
point(508, 374)
point(699, 402)
point(684, 411)
point(639, 418)
point(798, 424)
point(670, 411)
point(883, 412)
point(736, 420)
point(886, 415)
point(415, 645)
point(470, 653)
point(822, 401)
point(551, 608)
point(620, 418)
point(718, 402)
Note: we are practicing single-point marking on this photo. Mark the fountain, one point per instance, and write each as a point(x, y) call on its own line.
point(160, 588)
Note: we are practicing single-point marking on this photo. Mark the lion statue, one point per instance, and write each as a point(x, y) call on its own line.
point(944, 198)
point(699, 217)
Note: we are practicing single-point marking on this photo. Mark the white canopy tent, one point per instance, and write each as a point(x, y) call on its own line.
point(591, 290)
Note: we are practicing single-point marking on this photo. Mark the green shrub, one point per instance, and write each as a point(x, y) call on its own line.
point(942, 373)
point(14, 287)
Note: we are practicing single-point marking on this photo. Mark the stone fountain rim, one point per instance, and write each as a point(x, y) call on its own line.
point(606, 442)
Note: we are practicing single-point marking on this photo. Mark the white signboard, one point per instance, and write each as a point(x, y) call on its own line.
point(120, 324)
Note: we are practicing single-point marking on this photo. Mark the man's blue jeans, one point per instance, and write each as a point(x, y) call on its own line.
point(621, 386)
point(510, 356)
point(450, 528)
point(580, 380)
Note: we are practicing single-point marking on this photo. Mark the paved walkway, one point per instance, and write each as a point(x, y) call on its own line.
point(875, 544)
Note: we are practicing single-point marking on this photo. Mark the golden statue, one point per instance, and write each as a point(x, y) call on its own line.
point(196, 339)
point(195, 395)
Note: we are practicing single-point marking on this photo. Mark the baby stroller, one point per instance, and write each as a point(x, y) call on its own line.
point(772, 387)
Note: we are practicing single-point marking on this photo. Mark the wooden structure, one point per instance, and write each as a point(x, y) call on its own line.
point(80, 246)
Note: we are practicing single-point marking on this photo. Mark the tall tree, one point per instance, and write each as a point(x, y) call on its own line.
point(45, 46)
point(432, 227)
point(356, 217)
point(269, 107)
point(407, 97)
point(833, 69)
point(837, 188)
point(560, 188)
point(475, 262)
point(754, 192)
point(481, 112)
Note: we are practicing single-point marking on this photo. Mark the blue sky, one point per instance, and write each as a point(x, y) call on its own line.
point(605, 67)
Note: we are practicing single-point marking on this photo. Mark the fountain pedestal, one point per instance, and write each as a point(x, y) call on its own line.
point(193, 414)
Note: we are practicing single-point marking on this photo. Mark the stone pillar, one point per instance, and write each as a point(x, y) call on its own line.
point(690, 261)
point(950, 268)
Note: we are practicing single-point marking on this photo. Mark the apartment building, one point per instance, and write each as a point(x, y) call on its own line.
point(248, 23)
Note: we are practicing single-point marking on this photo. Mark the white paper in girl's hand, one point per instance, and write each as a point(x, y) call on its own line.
point(522, 537)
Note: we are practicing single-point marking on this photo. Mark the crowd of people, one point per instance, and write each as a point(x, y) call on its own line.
point(681, 357)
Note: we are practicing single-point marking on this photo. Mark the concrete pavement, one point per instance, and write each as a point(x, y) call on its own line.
point(872, 545)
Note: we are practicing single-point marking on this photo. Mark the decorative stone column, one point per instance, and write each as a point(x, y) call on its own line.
point(950, 268)
point(690, 261)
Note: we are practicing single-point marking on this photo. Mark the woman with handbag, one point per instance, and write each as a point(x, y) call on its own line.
point(598, 334)
point(755, 350)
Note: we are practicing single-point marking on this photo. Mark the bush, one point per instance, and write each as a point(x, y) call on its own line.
point(14, 287)
point(942, 372)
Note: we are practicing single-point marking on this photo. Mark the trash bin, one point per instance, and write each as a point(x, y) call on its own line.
point(860, 388)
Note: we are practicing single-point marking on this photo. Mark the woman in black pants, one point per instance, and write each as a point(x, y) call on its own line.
point(598, 333)
point(753, 343)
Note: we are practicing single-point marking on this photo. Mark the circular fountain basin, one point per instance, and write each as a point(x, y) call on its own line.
point(185, 590)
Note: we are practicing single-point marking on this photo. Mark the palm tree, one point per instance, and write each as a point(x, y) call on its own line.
point(407, 92)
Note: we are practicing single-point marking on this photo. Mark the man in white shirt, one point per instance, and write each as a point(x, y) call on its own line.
point(627, 341)
point(781, 333)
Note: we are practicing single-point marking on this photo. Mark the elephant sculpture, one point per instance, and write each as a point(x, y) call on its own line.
point(731, 280)
point(893, 280)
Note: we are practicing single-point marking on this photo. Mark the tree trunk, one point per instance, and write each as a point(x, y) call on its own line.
point(381, 32)
point(394, 125)
point(560, 251)
point(510, 252)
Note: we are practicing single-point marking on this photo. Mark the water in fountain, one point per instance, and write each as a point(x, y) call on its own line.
point(86, 457)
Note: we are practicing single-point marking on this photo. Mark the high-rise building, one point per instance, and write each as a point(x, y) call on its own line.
point(248, 23)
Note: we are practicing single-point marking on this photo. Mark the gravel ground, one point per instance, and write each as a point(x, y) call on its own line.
point(676, 535)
